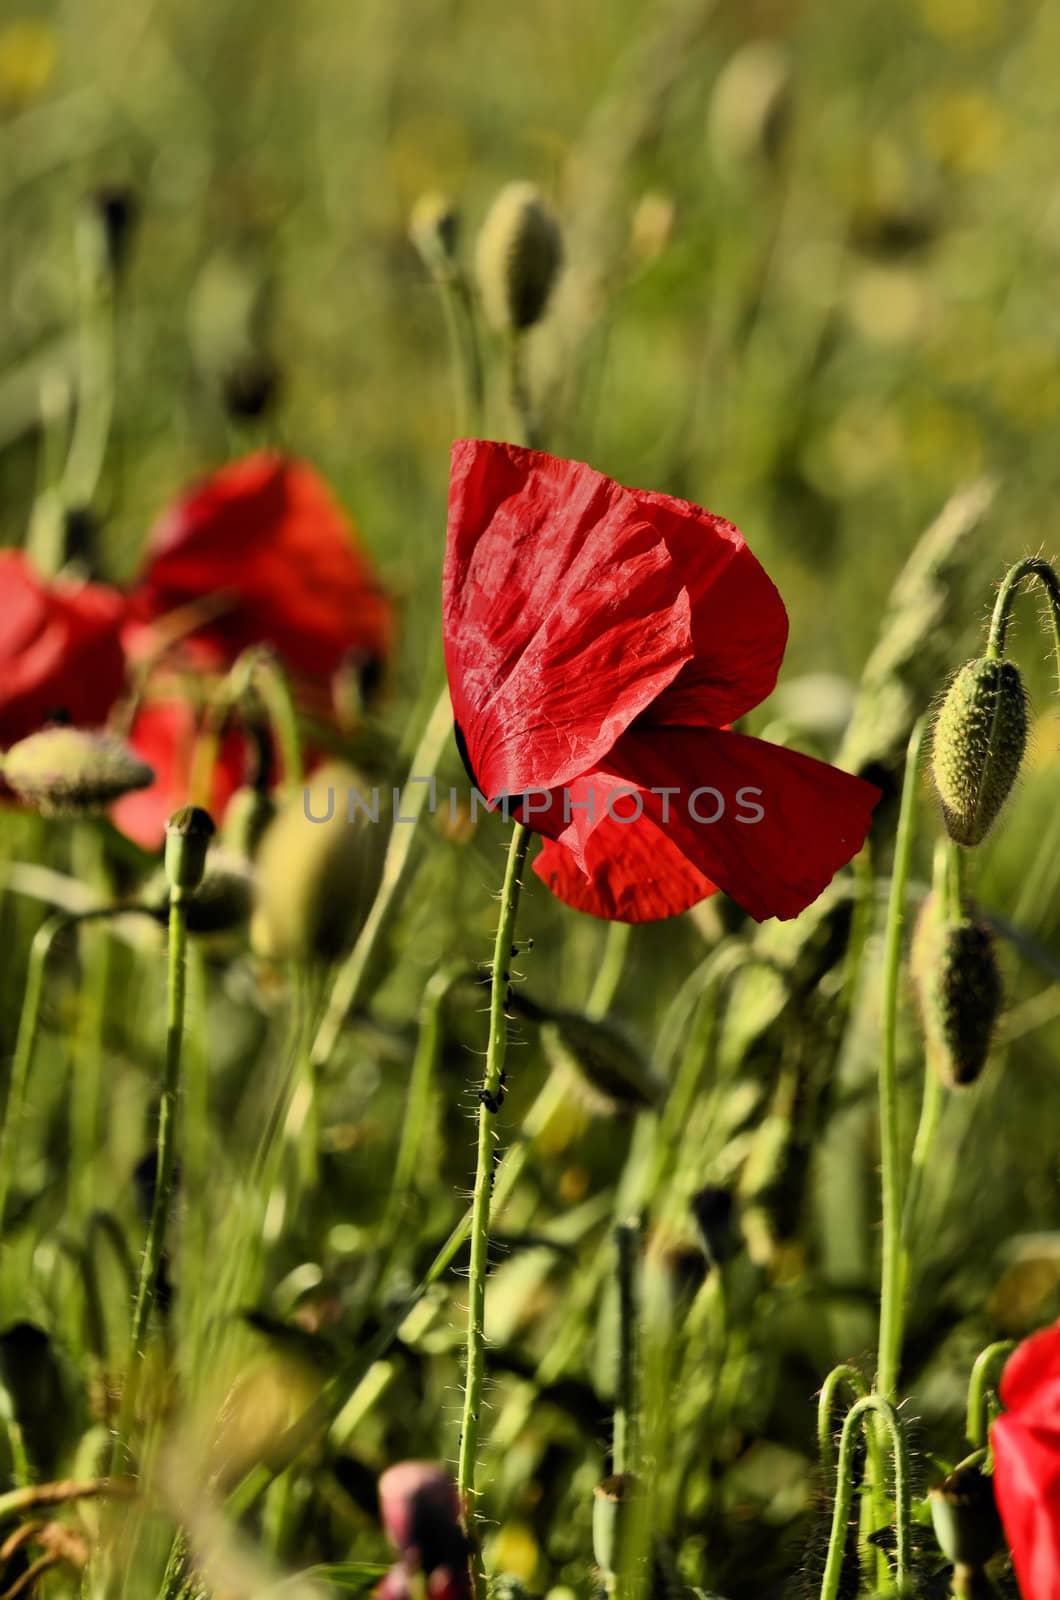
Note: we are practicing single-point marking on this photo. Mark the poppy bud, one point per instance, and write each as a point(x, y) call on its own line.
point(750, 109)
point(221, 902)
point(963, 1510)
point(434, 228)
point(980, 737)
point(249, 386)
point(247, 816)
point(602, 1065)
point(611, 1500)
point(117, 209)
point(318, 866)
point(517, 257)
point(959, 989)
point(69, 772)
point(188, 835)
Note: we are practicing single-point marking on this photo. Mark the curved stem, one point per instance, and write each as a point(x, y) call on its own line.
point(889, 1421)
point(490, 1097)
point(844, 1373)
point(353, 976)
point(1029, 567)
point(519, 390)
point(464, 348)
point(275, 691)
point(985, 1373)
point(891, 1298)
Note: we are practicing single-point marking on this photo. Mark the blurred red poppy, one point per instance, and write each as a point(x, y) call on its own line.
point(261, 553)
point(598, 642)
point(420, 1509)
point(165, 733)
point(1026, 1445)
point(60, 649)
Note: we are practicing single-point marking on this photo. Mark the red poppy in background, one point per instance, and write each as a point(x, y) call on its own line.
point(1026, 1445)
point(60, 649)
point(420, 1510)
point(264, 552)
point(164, 733)
point(598, 639)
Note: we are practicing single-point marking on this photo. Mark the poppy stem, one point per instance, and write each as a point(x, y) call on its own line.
point(519, 390)
point(490, 1097)
point(1029, 567)
point(891, 1295)
point(154, 1247)
point(890, 1424)
point(985, 1374)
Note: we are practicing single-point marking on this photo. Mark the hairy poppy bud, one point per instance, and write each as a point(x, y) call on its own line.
point(434, 228)
point(118, 210)
point(319, 867)
point(958, 982)
point(963, 1510)
point(517, 257)
point(188, 835)
point(750, 110)
point(610, 1514)
point(980, 737)
point(221, 902)
point(602, 1065)
point(70, 772)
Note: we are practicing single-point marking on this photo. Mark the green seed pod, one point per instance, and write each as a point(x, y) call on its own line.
point(960, 992)
point(319, 867)
point(963, 1510)
point(602, 1065)
point(70, 772)
point(188, 835)
point(980, 738)
point(220, 904)
point(610, 1516)
point(517, 258)
point(247, 816)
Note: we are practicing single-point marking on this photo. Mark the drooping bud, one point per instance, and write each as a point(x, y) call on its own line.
point(188, 835)
point(221, 903)
point(517, 258)
point(959, 989)
point(602, 1065)
point(70, 772)
point(980, 738)
point(965, 1515)
point(247, 816)
point(319, 867)
point(434, 228)
point(750, 109)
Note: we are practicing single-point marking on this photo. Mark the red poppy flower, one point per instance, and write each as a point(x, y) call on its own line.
point(266, 554)
point(60, 649)
point(598, 641)
point(420, 1509)
point(1026, 1445)
point(164, 733)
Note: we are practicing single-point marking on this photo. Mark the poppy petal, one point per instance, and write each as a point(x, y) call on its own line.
point(564, 615)
point(164, 733)
point(267, 550)
point(60, 649)
point(768, 826)
point(1027, 1488)
point(739, 624)
point(633, 873)
point(1030, 1382)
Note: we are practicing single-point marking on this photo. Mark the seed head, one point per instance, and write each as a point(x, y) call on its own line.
point(71, 772)
point(517, 257)
point(960, 993)
point(965, 1516)
point(980, 738)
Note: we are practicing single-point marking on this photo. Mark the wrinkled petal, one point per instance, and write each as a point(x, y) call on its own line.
point(632, 873)
point(267, 553)
point(739, 624)
point(60, 649)
point(768, 826)
point(1027, 1489)
point(564, 615)
point(164, 733)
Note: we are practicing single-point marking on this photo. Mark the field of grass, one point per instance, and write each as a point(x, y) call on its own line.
point(809, 281)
